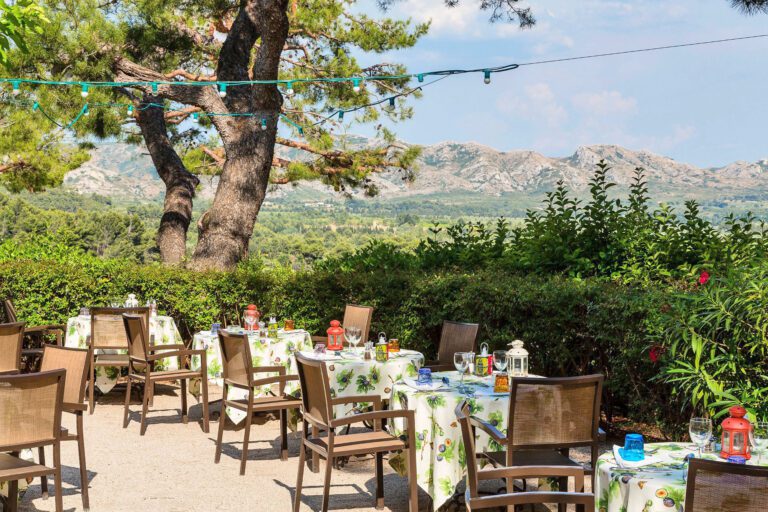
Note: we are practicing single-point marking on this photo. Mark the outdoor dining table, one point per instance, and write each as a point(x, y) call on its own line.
point(656, 486)
point(265, 351)
point(162, 331)
point(440, 458)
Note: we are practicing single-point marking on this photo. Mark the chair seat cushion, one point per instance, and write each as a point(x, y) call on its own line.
point(360, 444)
point(14, 468)
point(531, 458)
point(111, 359)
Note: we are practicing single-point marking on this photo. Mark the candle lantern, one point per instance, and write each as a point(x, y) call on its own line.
point(251, 316)
point(335, 336)
point(517, 360)
point(735, 441)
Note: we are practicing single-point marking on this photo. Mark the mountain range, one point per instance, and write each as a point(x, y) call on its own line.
point(122, 170)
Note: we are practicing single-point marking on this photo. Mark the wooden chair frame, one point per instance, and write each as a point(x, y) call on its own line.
point(319, 416)
point(141, 370)
point(696, 465)
point(444, 362)
point(281, 403)
point(17, 469)
point(352, 310)
point(475, 501)
point(33, 355)
point(11, 331)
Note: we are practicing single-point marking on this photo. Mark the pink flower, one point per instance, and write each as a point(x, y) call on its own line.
point(703, 277)
point(655, 353)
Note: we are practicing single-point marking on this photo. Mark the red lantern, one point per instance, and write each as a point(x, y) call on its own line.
point(335, 336)
point(736, 433)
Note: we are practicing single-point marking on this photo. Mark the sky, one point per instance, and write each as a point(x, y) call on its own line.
point(705, 105)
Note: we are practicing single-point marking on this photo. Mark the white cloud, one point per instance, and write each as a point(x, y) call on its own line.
point(537, 103)
point(605, 103)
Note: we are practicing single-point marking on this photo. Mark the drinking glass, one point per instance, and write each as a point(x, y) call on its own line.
point(700, 430)
point(500, 360)
point(250, 321)
point(353, 336)
point(759, 439)
point(462, 365)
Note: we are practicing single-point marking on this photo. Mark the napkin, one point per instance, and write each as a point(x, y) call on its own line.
point(431, 386)
point(627, 464)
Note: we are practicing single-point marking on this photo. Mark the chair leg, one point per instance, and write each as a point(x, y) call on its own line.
point(44, 478)
point(13, 495)
point(246, 435)
point(284, 434)
point(413, 482)
point(151, 395)
point(220, 435)
point(83, 467)
point(327, 482)
point(562, 484)
point(126, 414)
point(379, 481)
point(184, 415)
point(206, 412)
point(91, 387)
point(299, 477)
point(145, 407)
point(59, 499)
point(315, 455)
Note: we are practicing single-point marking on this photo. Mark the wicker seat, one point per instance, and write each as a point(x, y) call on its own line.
point(511, 498)
point(108, 333)
point(317, 410)
point(75, 362)
point(455, 337)
point(11, 338)
point(354, 316)
point(715, 486)
point(141, 358)
point(547, 417)
point(238, 372)
point(30, 417)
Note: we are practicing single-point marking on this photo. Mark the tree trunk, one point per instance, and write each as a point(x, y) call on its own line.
point(179, 183)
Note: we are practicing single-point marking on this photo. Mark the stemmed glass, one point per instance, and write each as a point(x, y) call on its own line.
point(250, 321)
point(759, 439)
point(700, 430)
point(462, 365)
point(500, 360)
point(353, 336)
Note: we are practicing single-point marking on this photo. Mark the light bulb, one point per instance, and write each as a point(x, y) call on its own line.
point(86, 112)
point(154, 87)
point(487, 76)
point(195, 116)
point(222, 90)
point(130, 110)
point(420, 77)
point(35, 106)
point(84, 91)
point(392, 102)
point(289, 88)
point(356, 85)
point(341, 115)
point(263, 124)
point(16, 88)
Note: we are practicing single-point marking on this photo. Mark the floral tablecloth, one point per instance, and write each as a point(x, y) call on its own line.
point(657, 487)
point(162, 331)
point(440, 458)
point(357, 376)
point(264, 352)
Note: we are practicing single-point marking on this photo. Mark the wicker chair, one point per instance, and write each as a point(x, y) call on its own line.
point(715, 486)
point(317, 412)
point(141, 358)
point(37, 336)
point(475, 475)
point(108, 333)
point(354, 316)
point(75, 362)
point(11, 338)
point(455, 337)
point(547, 418)
point(30, 417)
point(238, 372)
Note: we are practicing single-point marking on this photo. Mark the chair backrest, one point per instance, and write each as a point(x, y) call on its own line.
point(715, 486)
point(108, 329)
point(10, 311)
point(75, 362)
point(359, 316)
point(315, 391)
point(11, 338)
point(456, 337)
point(236, 361)
point(136, 334)
point(559, 412)
point(30, 409)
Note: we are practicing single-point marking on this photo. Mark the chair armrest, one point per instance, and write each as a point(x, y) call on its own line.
point(275, 379)
point(522, 472)
point(34, 329)
point(375, 399)
point(269, 369)
point(489, 429)
point(176, 353)
point(439, 367)
point(375, 417)
point(176, 346)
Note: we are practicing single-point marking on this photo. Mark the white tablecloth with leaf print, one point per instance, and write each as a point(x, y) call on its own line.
point(264, 352)
point(440, 457)
point(162, 331)
point(656, 487)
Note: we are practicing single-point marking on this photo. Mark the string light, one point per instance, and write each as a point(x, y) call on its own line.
point(16, 88)
point(263, 124)
point(392, 102)
point(420, 77)
point(130, 110)
point(289, 88)
point(86, 111)
point(356, 85)
point(222, 90)
point(35, 106)
point(487, 76)
point(195, 116)
point(84, 91)
point(341, 115)
point(154, 87)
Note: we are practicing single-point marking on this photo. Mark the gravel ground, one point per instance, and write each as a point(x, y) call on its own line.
point(171, 468)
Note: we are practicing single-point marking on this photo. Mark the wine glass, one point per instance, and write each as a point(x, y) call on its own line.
point(700, 430)
point(462, 365)
point(353, 336)
point(759, 439)
point(500, 360)
point(250, 321)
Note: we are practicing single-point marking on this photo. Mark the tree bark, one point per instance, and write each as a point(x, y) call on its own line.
point(179, 182)
point(226, 229)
